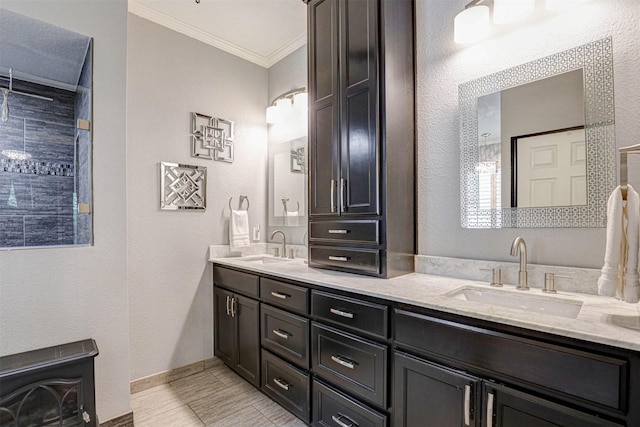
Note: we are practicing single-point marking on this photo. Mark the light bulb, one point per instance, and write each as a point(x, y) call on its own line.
point(300, 101)
point(272, 114)
point(510, 11)
point(285, 109)
point(559, 5)
point(472, 25)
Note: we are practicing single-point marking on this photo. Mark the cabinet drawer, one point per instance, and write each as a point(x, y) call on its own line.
point(287, 385)
point(351, 313)
point(243, 283)
point(356, 260)
point(346, 231)
point(286, 335)
point(355, 364)
point(291, 297)
point(332, 408)
point(569, 372)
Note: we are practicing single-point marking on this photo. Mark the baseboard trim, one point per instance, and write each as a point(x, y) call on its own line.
point(125, 420)
point(166, 377)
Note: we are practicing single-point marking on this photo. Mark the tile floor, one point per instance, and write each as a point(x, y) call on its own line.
point(216, 397)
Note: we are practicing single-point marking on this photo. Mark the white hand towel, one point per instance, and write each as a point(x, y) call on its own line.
point(631, 290)
point(291, 218)
point(619, 276)
point(239, 230)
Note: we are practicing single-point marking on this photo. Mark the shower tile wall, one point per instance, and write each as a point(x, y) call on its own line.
point(36, 194)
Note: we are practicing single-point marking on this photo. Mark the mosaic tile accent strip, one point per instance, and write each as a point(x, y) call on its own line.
point(596, 59)
point(33, 167)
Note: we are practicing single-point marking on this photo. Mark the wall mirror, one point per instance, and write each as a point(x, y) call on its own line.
point(537, 142)
point(288, 183)
point(45, 134)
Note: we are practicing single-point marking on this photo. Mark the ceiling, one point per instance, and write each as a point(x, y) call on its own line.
point(260, 31)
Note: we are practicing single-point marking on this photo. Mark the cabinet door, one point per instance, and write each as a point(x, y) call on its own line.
point(324, 157)
point(224, 326)
point(246, 313)
point(430, 395)
point(506, 407)
point(359, 107)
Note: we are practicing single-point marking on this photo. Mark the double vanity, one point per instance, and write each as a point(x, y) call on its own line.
point(338, 349)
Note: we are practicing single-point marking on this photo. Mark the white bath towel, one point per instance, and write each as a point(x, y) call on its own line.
point(291, 218)
point(619, 276)
point(239, 230)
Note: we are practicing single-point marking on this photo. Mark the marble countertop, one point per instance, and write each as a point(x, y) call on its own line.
point(602, 320)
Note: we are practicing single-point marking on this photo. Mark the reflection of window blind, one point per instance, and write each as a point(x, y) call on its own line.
point(489, 196)
point(489, 190)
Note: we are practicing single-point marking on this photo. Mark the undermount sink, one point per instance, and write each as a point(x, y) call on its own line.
point(520, 300)
point(263, 259)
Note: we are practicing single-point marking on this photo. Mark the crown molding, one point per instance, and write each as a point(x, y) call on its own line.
point(137, 8)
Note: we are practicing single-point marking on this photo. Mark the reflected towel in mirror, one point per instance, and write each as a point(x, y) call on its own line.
point(291, 218)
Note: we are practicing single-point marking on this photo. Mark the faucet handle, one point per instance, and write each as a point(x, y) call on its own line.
point(276, 252)
point(496, 279)
point(549, 282)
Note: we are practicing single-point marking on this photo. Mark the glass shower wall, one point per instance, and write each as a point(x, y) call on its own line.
point(39, 164)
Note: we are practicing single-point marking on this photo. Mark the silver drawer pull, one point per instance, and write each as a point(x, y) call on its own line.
point(339, 258)
point(338, 420)
point(467, 404)
point(489, 409)
point(344, 362)
point(281, 334)
point(338, 231)
point(280, 383)
point(279, 295)
point(341, 313)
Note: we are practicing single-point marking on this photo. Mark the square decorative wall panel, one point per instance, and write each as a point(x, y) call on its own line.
point(211, 138)
point(182, 186)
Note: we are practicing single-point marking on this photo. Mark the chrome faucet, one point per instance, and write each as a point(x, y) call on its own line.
point(518, 245)
point(284, 242)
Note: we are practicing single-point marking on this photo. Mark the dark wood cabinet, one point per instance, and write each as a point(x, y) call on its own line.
point(237, 333)
point(426, 394)
point(336, 358)
point(506, 407)
point(361, 136)
point(457, 371)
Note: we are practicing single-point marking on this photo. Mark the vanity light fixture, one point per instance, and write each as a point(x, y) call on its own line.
point(286, 104)
point(510, 11)
point(559, 5)
point(472, 24)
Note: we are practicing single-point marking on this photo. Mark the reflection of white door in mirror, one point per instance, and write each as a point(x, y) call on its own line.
point(549, 169)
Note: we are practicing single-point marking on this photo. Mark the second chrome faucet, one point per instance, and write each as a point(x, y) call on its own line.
point(284, 242)
point(520, 246)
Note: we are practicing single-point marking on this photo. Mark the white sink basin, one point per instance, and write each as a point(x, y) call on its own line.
point(520, 300)
point(263, 259)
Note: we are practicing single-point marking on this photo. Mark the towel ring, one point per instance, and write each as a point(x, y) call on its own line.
point(284, 202)
point(242, 199)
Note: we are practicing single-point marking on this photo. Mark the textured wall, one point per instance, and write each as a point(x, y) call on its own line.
point(57, 295)
point(170, 293)
point(442, 66)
